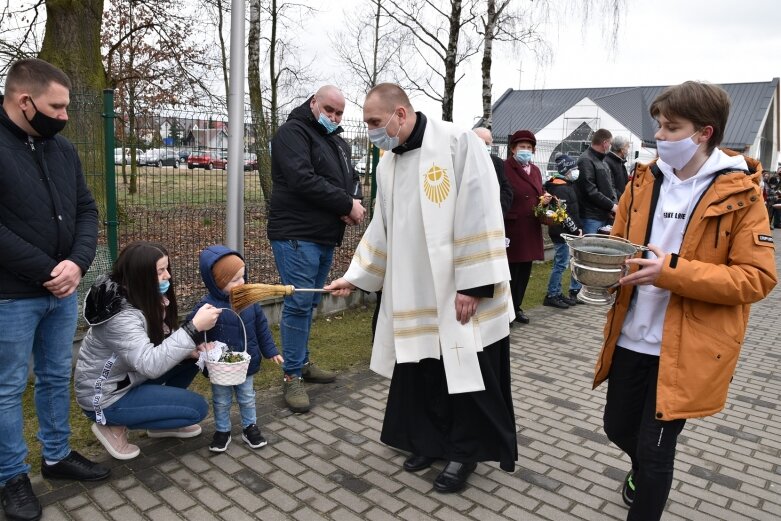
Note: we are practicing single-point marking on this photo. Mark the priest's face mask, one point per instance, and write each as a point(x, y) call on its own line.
point(384, 127)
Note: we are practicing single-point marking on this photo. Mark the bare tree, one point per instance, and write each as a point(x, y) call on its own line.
point(21, 31)
point(370, 47)
point(509, 23)
point(441, 38)
point(72, 42)
point(151, 62)
point(260, 127)
point(505, 21)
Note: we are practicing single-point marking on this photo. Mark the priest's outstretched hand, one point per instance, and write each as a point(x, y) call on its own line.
point(340, 288)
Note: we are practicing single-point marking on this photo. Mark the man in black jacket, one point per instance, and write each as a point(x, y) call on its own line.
point(48, 235)
point(616, 162)
point(316, 192)
point(505, 188)
point(596, 195)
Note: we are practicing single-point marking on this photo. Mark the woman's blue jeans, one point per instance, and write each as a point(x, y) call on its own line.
point(222, 396)
point(42, 327)
point(304, 265)
point(162, 403)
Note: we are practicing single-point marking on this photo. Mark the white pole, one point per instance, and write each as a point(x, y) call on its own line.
point(234, 223)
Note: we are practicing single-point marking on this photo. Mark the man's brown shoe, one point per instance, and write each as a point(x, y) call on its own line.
point(311, 373)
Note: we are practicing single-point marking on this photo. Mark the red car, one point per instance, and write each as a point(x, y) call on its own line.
point(205, 159)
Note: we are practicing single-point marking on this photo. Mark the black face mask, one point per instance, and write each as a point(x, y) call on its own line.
point(44, 125)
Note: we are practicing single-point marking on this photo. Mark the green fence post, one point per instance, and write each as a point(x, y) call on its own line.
point(375, 160)
point(111, 176)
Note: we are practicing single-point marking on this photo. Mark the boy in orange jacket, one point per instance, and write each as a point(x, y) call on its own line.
point(673, 337)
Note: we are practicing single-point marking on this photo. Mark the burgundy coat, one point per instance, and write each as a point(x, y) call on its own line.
point(520, 225)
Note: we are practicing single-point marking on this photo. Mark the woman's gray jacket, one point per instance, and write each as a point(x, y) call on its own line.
point(116, 353)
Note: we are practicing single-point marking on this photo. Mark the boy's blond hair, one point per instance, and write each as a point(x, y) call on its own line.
point(704, 104)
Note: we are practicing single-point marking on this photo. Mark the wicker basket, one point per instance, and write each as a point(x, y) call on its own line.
point(230, 373)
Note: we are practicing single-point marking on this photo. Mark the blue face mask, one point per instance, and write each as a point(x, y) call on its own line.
point(164, 287)
point(381, 139)
point(524, 156)
point(328, 125)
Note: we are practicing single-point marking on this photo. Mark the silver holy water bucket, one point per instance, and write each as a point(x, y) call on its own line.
point(597, 262)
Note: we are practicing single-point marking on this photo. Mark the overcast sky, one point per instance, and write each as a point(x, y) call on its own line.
point(661, 42)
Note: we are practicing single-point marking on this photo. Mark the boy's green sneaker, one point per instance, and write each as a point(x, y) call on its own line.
point(311, 373)
point(628, 490)
point(295, 395)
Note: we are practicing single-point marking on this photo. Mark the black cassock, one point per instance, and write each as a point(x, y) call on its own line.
point(422, 418)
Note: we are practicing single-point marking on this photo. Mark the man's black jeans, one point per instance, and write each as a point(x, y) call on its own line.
point(630, 422)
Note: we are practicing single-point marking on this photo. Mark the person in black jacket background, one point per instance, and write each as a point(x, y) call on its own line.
point(505, 188)
point(596, 195)
point(315, 193)
point(616, 162)
point(48, 236)
point(562, 187)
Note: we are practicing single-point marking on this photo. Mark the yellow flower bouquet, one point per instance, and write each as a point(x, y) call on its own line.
point(555, 212)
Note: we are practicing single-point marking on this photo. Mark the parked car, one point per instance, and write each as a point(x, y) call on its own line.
point(360, 166)
point(250, 161)
point(160, 157)
point(119, 159)
point(220, 160)
point(201, 159)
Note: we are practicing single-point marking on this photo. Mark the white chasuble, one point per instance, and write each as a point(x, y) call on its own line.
point(437, 229)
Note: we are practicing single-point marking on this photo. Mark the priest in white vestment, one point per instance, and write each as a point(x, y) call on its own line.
point(436, 249)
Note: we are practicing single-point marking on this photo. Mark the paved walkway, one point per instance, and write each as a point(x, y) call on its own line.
point(329, 464)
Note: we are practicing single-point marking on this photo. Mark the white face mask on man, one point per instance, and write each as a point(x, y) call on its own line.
point(677, 154)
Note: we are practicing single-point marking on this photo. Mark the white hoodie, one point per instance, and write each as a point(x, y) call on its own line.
point(642, 328)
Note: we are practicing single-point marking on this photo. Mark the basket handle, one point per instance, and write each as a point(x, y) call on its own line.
point(243, 329)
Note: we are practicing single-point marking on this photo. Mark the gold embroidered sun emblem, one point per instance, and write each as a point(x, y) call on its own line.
point(436, 184)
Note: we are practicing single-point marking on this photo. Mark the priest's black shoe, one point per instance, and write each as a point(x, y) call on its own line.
point(521, 317)
point(76, 467)
point(19, 501)
point(453, 476)
point(415, 462)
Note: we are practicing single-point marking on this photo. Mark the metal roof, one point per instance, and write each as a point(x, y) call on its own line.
point(535, 109)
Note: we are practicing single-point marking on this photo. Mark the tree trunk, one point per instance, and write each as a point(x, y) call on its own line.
point(488, 44)
point(72, 42)
point(451, 60)
point(223, 52)
point(259, 124)
point(272, 64)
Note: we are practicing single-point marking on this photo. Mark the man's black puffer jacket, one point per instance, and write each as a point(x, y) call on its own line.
point(47, 213)
point(314, 182)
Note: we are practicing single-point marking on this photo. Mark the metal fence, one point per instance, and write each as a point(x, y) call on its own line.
point(162, 197)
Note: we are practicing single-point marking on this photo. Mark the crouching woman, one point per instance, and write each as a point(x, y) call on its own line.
point(135, 363)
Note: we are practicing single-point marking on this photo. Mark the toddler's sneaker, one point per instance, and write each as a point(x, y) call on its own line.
point(220, 441)
point(252, 437)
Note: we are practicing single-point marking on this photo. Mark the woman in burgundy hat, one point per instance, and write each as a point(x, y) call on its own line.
point(522, 228)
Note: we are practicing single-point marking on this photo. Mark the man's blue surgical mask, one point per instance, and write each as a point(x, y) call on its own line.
point(164, 285)
point(380, 138)
point(328, 125)
point(524, 156)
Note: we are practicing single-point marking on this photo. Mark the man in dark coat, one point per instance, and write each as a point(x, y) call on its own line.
point(315, 193)
point(616, 162)
point(48, 235)
point(505, 189)
point(596, 194)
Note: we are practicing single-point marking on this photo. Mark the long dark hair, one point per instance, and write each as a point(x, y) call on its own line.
point(136, 271)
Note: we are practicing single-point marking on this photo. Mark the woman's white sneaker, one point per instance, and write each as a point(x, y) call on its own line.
point(189, 431)
point(114, 440)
